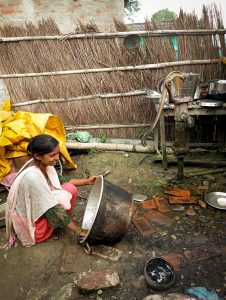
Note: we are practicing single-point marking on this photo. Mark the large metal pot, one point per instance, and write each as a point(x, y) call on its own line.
point(217, 87)
point(108, 213)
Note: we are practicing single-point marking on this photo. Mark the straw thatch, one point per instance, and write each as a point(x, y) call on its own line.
point(88, 53)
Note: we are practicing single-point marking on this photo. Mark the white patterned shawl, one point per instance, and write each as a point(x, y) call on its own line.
point(29, 198)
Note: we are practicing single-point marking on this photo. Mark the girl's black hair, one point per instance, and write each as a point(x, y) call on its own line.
point(42, 144)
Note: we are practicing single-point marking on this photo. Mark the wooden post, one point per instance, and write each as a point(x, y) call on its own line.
point(163, 141)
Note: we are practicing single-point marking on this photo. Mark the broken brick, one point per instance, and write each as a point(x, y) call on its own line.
point(96, 280)
point(149, 204)
point(143, 226)
point(178, 192)
point(162, 204)
point(203, 187)
point(70, 259)
point(177, 260)
point(158, 217)
point(182, 200)
point(195, 189)
point(202, 204)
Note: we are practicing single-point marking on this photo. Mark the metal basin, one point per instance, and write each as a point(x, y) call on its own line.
point(108, 213)
point(159, 274)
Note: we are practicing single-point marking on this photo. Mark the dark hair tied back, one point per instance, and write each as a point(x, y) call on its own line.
point(42, 144)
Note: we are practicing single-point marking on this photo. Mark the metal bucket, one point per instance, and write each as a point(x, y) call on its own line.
point(108, 213)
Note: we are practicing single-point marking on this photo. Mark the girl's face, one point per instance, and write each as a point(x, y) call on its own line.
point(49, 159)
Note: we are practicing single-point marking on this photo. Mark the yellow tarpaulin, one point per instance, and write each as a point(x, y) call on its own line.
point(17, 128)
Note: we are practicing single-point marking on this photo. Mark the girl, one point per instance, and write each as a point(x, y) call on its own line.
point(37, 203)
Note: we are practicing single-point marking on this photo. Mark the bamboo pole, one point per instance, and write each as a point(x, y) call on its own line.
point(103, 96)
point(110, 147)
point(143, 33)
point(106, 126)
point(114, 69)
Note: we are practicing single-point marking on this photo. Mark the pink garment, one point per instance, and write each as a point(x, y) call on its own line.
point(43, 229)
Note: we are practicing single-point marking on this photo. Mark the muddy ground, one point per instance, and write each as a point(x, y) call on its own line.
point(33, 273)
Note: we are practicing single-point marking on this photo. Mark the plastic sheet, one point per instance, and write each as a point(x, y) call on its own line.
point(17, 129)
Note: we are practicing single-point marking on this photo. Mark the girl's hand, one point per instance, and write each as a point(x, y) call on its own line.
point(91, 180)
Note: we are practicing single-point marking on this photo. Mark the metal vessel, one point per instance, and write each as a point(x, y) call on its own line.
point(108, 213)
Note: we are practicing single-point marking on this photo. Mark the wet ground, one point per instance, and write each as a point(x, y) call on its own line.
point(194, 233)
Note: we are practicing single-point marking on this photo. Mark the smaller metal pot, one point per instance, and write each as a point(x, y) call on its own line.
point(159, 274)
point(217, 87)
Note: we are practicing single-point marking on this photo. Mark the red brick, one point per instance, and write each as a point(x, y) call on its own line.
point(15, 4)
point(162, 204)
point(177, 260)
point(143, 226)
point(7, 11)
point(96, 280)
point(158, 217)
point(149, 204)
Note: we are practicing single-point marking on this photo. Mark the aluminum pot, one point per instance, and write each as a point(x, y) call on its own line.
point(217, 87)
point(108, 213)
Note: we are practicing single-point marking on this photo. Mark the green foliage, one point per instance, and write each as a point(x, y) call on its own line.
point(102, 138)
point(93, 151)
point(163, 15)
point(131, 6)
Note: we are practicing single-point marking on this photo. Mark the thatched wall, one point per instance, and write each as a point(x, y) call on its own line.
point(88, 53)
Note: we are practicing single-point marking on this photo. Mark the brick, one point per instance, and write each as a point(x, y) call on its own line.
point(182, 200)
point(162, 204)
point(143, 226)
point(178, 192)
point(158, 217)
point(96, 280)
point(7, 11)
point(70, 259)
point(177, 260)
point(149, 204)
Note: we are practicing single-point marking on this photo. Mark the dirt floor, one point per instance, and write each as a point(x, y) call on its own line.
point(194, 233)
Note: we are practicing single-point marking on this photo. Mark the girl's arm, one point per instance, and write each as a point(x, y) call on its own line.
point(85, 181)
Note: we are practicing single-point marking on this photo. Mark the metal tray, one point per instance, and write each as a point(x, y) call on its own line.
point(216, 199)
point(210, 103)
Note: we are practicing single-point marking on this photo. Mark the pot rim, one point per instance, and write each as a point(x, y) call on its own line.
point(98, 181)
